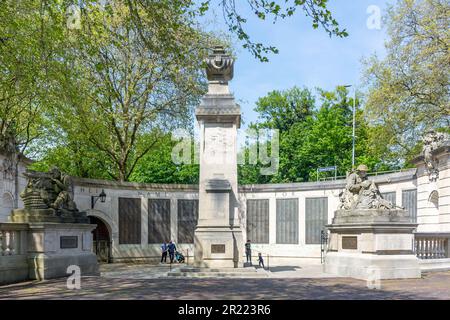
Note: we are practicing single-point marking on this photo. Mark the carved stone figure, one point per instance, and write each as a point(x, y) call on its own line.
point(361, 193)
point(49, 195)
point(431, 141)
point(62, 184)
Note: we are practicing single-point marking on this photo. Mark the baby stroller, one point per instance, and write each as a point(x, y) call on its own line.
point(179, 257)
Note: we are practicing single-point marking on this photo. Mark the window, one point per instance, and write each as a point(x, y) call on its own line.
point(316, 216)
point(158, 220)
point(129, 221)
point(287, 221)
point(409, 201)
point(389, 196)
point(187, 220)
point(258, 220)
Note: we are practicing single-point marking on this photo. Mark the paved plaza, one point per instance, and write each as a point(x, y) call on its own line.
point(135, 282)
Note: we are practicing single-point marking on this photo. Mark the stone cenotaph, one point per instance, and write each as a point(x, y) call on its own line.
point(370, 238)
point(218, 235)
point(59, 235)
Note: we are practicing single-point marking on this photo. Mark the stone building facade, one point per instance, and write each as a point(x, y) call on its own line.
point(11, 185)
point(283, 221)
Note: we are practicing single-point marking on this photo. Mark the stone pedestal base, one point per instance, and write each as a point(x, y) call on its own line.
point(380, 248)
point(372, 267)
point(218, 247)
point(13, 269)
point(47, 215)
point(53, 247)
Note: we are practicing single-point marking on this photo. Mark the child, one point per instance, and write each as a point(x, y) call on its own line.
point(260, 260)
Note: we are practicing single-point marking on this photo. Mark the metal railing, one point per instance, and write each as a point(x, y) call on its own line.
point(432, 245)
point(374, 173)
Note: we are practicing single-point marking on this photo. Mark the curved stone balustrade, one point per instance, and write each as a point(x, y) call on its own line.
point(432, 245)
point(12, 238)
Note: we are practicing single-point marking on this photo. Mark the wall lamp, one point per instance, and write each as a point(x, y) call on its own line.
point(101, 196)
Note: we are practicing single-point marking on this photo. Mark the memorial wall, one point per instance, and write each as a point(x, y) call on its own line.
point(283, 221)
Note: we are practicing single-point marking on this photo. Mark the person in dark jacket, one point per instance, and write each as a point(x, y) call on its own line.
point(260, 260)
point(171, 248)
point(164, 252)
point(248, 251)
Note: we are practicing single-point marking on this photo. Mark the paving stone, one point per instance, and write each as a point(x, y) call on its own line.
point(128, 283)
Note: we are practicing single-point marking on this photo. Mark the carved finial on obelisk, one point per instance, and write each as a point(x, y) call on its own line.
point(219, 70)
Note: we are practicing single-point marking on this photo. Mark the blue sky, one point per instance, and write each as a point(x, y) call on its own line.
point(308, 57)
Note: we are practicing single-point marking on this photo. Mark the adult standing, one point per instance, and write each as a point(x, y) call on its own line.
point(248, 251)
point(164, 249)
point(171, 248)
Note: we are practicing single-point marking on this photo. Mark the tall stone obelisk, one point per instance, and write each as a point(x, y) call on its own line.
point(218, 236)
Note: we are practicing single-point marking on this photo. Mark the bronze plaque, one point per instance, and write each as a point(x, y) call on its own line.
point(217, 248)
point(68, 242)
point(350, 242)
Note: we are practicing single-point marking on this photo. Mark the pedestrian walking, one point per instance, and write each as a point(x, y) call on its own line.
point(260, 260)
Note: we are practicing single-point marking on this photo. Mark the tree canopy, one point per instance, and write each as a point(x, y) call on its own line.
point(92, 85)
point(107, 87)
point(408, 90)
point(100, 93)
point(315, 132)
point(316, 10)
point(130, 82)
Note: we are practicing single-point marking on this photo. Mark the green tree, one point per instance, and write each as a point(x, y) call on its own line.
point(99, 95)
point(282, 109)
point(316, 10)
point(159, 167)
point(321, 137)
point(408, 90)
point(120, 93)
point(29, 42)
point(76, 159)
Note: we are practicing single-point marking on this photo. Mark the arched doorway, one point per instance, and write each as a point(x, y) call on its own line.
point(101, 240)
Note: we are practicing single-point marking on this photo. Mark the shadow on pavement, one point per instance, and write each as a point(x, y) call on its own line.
point(226, 289)
point(284, 268)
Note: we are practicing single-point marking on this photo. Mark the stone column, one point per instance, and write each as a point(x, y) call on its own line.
point(218, 236)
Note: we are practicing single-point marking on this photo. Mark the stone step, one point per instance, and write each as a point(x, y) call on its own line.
point(196, 272)
point(218, 274)
point(434, 264)
point(220, 270)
